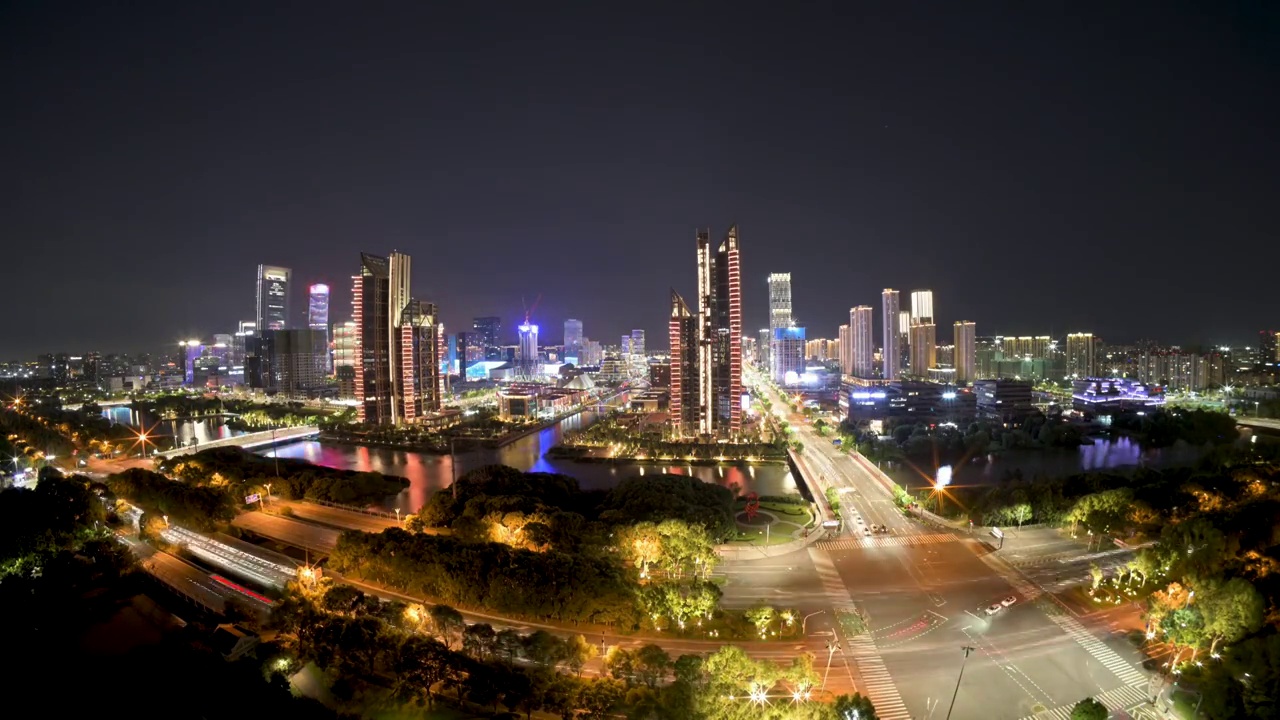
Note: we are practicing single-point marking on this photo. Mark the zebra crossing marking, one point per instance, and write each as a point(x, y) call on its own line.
point(1122, 668)
point(1124, 697)
point(878, 684)
point(886, 541)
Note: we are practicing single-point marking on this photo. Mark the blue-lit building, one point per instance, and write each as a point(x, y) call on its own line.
point(786, 355)
point(1105, 395)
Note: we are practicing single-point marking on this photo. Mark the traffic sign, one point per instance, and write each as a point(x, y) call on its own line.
point(251, 499)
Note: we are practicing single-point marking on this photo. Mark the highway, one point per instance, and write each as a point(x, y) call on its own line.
point(335, 517)
point(299, 534)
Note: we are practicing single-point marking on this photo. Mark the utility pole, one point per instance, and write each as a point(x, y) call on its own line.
point(952, 706)
point(453, 469)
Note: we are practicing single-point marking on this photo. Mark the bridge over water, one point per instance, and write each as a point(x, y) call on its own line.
point(248, 441)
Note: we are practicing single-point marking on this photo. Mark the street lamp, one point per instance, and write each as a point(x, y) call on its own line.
point(397, 517)
point(268, 495)
point(952, 706)
point(804, 620)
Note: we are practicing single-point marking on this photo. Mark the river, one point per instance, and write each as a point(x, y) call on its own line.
point(202, 430)
point(1121, 454)
point(428, 473)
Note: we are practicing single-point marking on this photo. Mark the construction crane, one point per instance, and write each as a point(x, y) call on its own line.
point(528, 311)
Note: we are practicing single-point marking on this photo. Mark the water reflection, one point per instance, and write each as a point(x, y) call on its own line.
point(1117, 454)
point(430, 473)
point(183, 431)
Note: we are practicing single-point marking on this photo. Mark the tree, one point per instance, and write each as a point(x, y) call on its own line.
point(1095, 573)
point(1089, 709)
point(854, 707)
point(578, 652)
point(651, 664)
point(1020, 513)
point(600, 696)
point(543, 648)
point(448, 623)
point(760, 616)
point(1231, 612)
point(478, 640)
point(342, 599)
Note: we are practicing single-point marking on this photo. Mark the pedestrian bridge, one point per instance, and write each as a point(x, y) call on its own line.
point(248, 441)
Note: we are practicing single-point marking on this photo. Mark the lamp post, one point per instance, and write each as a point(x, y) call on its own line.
point(275, 453)
point(453, 468)
point(804, 620)
point(268, 495)
point(952, 706)
point(397, 517)
point(832, 647)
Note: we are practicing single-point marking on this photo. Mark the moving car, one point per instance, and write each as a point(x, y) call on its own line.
point(994, 608)
point(1009, 601)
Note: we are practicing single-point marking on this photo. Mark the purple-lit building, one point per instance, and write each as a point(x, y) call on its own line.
point(318, 317)
point(1111, 394)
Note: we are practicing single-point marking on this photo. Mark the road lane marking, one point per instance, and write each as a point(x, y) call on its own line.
point(1124, 698)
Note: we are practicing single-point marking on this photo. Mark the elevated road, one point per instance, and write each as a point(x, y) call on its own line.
point(237, 561)
point(334, 516)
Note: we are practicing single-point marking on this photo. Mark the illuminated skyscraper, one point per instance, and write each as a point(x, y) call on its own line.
point(572, 337)
point(779, 300)
point(273, 298)
point(344, 345)
point(528, 357)
point(845, 336)
point(1080, 355)
point(714, 388)
point(318, 316)
point(420, 346)
point(682, 332)
point(489, 330)
point(924, 336)
point(398, 352)
point(922, 307)
point(637, 343)
point(892, 349)
point(924, 347)
point(864, 349)
point(966, 351)
point(904, 341)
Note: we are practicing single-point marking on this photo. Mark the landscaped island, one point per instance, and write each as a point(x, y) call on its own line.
point(625, 438)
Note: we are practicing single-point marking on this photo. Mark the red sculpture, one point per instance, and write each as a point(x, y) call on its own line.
point(753, 506)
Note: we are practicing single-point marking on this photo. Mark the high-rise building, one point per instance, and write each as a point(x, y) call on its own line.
point(706, 348)
point(527, 357)
point(904, 341)
point(290, 363)
point(845, 334)
point(762, 349)
point(344, 345)
point(891, 351)
point(273, 298)
point(489, 330)
point(572, 337)
point(922, 307)
point(398, 352)
point(1268, 350)
point(422, 385)
point(318, 316)
point(1080, 355)
point(861, 319)
point(192, 350)
point(779, 300)
point(637, 343)
point(685, 406)
point(723, 308)
point(924, 347)
point(788, 355)
point(966, 351)
point(624, 346)
point(592, 353)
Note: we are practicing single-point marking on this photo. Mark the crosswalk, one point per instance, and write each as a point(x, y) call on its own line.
point(1121, 698)
point(1099, 650)
point(886, 541)
point(878, 685)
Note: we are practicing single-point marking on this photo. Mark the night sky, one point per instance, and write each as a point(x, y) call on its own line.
point(1091, 167)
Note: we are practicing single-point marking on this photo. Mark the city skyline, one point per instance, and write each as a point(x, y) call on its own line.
point(1084, 152)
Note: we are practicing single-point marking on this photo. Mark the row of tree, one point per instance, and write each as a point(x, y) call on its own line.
point(194, 506)
point(429, 656)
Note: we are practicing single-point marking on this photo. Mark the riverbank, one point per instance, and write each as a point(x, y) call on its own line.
point(604, 456)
